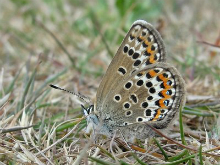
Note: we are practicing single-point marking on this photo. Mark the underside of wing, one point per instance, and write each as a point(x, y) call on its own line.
point(141, 47)
point(153, 94)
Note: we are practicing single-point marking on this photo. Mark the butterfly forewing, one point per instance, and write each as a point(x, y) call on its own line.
point(152, 94)
point(141, 47)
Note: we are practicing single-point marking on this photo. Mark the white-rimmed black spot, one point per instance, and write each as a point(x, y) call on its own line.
point(127, 105)
point(137, 62)
point(125, 49)
point(128, 113)
point(150, 98)
point(157, 103)
point(143, 33)
point(148, 112)
point(144, 105)
point(135, 55)
point(156, 70)
point(149, 84)
point(165, 75)
point(133, 98)
point(128, 85)
point(152, 90)
point(140, 74)
point(131, 37)
point(148, 39)
point(122, 70)
point(153, 47)
point(130, 52)
point(139, 119)
point(117, 97)
point(139, 39)
point(140, 82)
point(125, 123)
point(169, 92)
point(169, 82)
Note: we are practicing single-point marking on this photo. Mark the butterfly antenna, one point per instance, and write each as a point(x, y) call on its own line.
point(76, 94)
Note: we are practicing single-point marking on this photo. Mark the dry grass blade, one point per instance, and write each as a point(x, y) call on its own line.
point(6, 130)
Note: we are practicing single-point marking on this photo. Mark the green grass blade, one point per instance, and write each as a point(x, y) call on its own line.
point(161, 149)
point(100, 161)
point(177, 157)
point(200, 155)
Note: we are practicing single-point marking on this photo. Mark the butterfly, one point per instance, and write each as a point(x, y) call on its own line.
point(138, 89)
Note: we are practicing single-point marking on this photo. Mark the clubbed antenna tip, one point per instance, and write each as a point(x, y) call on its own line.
point(76, 94)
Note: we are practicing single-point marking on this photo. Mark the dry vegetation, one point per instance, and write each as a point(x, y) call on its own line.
point(71, 43)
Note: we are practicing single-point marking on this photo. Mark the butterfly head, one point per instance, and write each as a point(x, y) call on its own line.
point(91, 118)
point(87, 111)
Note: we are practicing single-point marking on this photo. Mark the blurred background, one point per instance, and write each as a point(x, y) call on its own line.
point(83, 36)
point(70, 43)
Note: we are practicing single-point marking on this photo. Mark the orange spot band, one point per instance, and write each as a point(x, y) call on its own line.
point(152, 73)
point(164, 93)
point(157, 115)
point(164, 79)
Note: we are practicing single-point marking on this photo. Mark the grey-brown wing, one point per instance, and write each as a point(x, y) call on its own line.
point(141, 47)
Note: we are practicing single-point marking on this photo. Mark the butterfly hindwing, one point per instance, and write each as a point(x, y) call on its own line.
point(153, 94)
point(141, 47)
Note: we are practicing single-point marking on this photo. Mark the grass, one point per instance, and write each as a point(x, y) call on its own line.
point(71, 43)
